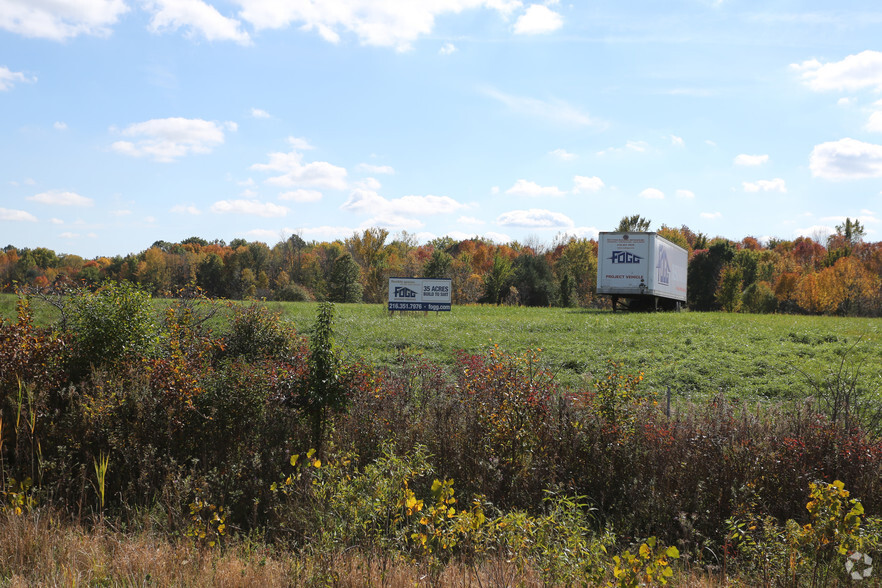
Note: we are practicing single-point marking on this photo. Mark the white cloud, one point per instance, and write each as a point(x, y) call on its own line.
point(447, 49)
point(775, 185)
point(368, 201)
point(294, 173)
point(563, 154)
point(874, 125)
point(685, 194)
point(855, 72)
point(120, 213)
point(369, 184)
point(185, 209)
point(498, 238)
point(677, 141)
point(58, 20)
point(845, 102)
point(248, 193)
point(7, 214)
point(198, 17)
point(494, 190)
point(389, 220)
point(582, 233)
point(751, 160)
point(301, 195)
point(554, 110)
point(375, 169)
point(166, 139)
point(60, 126)
point(846, 159)
point(300, 144)
point(533, 190)
point(9, 78)
point(56, 221)
point(711, 215)
point(68, 235)
point(535, 218)
point(586, 184)
point(60, 198)
point(390, 23)
point(252, 207)
point(260, 113)
point(652, 194)
point(469, 220)
point(817, 232)
point(538, 20)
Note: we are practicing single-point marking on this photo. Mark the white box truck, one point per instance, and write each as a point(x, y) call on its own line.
point(644, 268)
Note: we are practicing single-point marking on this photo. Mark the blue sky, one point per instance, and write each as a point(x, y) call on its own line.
point(124, 122)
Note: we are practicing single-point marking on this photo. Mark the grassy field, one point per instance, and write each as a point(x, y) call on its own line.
point(696, 355)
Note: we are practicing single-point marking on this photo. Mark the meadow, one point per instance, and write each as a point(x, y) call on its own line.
point(694, 354)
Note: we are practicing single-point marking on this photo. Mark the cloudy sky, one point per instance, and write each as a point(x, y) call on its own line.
point(123, 122)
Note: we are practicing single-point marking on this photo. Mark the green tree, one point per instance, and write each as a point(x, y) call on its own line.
point(633, 224)
point(534, 280)
point(497, 280)
point(439, 265)
point(851, 230)
point(344, 285)
point(728, 294)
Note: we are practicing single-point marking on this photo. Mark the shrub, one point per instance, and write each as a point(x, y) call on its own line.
point(110, 324)
point(257, 333)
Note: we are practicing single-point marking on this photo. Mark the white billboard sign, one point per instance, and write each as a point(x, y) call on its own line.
point(419, 294)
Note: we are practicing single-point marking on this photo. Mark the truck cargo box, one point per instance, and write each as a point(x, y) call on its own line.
point(640, 265)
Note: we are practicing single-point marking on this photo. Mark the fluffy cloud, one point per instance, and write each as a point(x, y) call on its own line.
point(252, 207)
point(677, 141)
point(533, 190)
point(652, 194)
point(563, 155)
point(556, 111)
point(391, 23)
point(686, 194)
point(389, 220)
point(9, 78)
point(846, 159)
point(638, 146)
point(711, 215)
point(538, 20)
point(259, 113)
point(874, 125)
point(166, 139)
point(197, 17)
point(751, 160)
point(855, 72)
point(301, 195)
point(535, 218)
point(60, 19)
point(776, 185)
point(16, 215)
point(293, 172)
point(447, 49)
point(368, 201)
point(586, 184)
point(60, 198)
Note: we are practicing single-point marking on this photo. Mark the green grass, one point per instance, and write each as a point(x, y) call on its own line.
point(695, 354)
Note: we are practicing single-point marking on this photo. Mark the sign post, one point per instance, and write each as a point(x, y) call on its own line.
point(424, 294)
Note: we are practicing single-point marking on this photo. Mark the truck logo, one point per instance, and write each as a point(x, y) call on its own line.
point(625, 257)
point(663, 267)
point(402, 292)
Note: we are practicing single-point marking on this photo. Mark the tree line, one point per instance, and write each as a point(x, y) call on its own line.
point(841, 274)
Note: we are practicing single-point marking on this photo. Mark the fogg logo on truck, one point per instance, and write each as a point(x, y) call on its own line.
point(402, 292)
point(625, 257)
